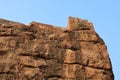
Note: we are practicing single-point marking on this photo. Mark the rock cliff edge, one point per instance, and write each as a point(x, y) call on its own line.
point(44, 52)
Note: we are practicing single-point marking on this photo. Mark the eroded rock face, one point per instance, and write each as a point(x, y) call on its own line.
point(45, 52)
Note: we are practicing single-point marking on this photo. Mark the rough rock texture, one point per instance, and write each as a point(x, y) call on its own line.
point(45, 52)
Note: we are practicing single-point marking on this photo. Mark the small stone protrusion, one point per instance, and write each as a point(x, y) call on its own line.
point(79, 24)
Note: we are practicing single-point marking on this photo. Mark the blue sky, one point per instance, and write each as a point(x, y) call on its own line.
point(105, 14)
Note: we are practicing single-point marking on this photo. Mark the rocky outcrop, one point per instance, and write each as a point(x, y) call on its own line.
point(45, 52)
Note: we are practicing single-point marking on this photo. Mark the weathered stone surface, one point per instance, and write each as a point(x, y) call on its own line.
point(45, 52)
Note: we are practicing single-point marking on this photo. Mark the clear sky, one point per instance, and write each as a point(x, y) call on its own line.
point(105, 14)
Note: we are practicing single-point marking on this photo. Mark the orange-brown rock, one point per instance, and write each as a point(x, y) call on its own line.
point(45, 52)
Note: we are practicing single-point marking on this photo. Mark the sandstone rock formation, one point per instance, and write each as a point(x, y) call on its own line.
point(45, 52)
